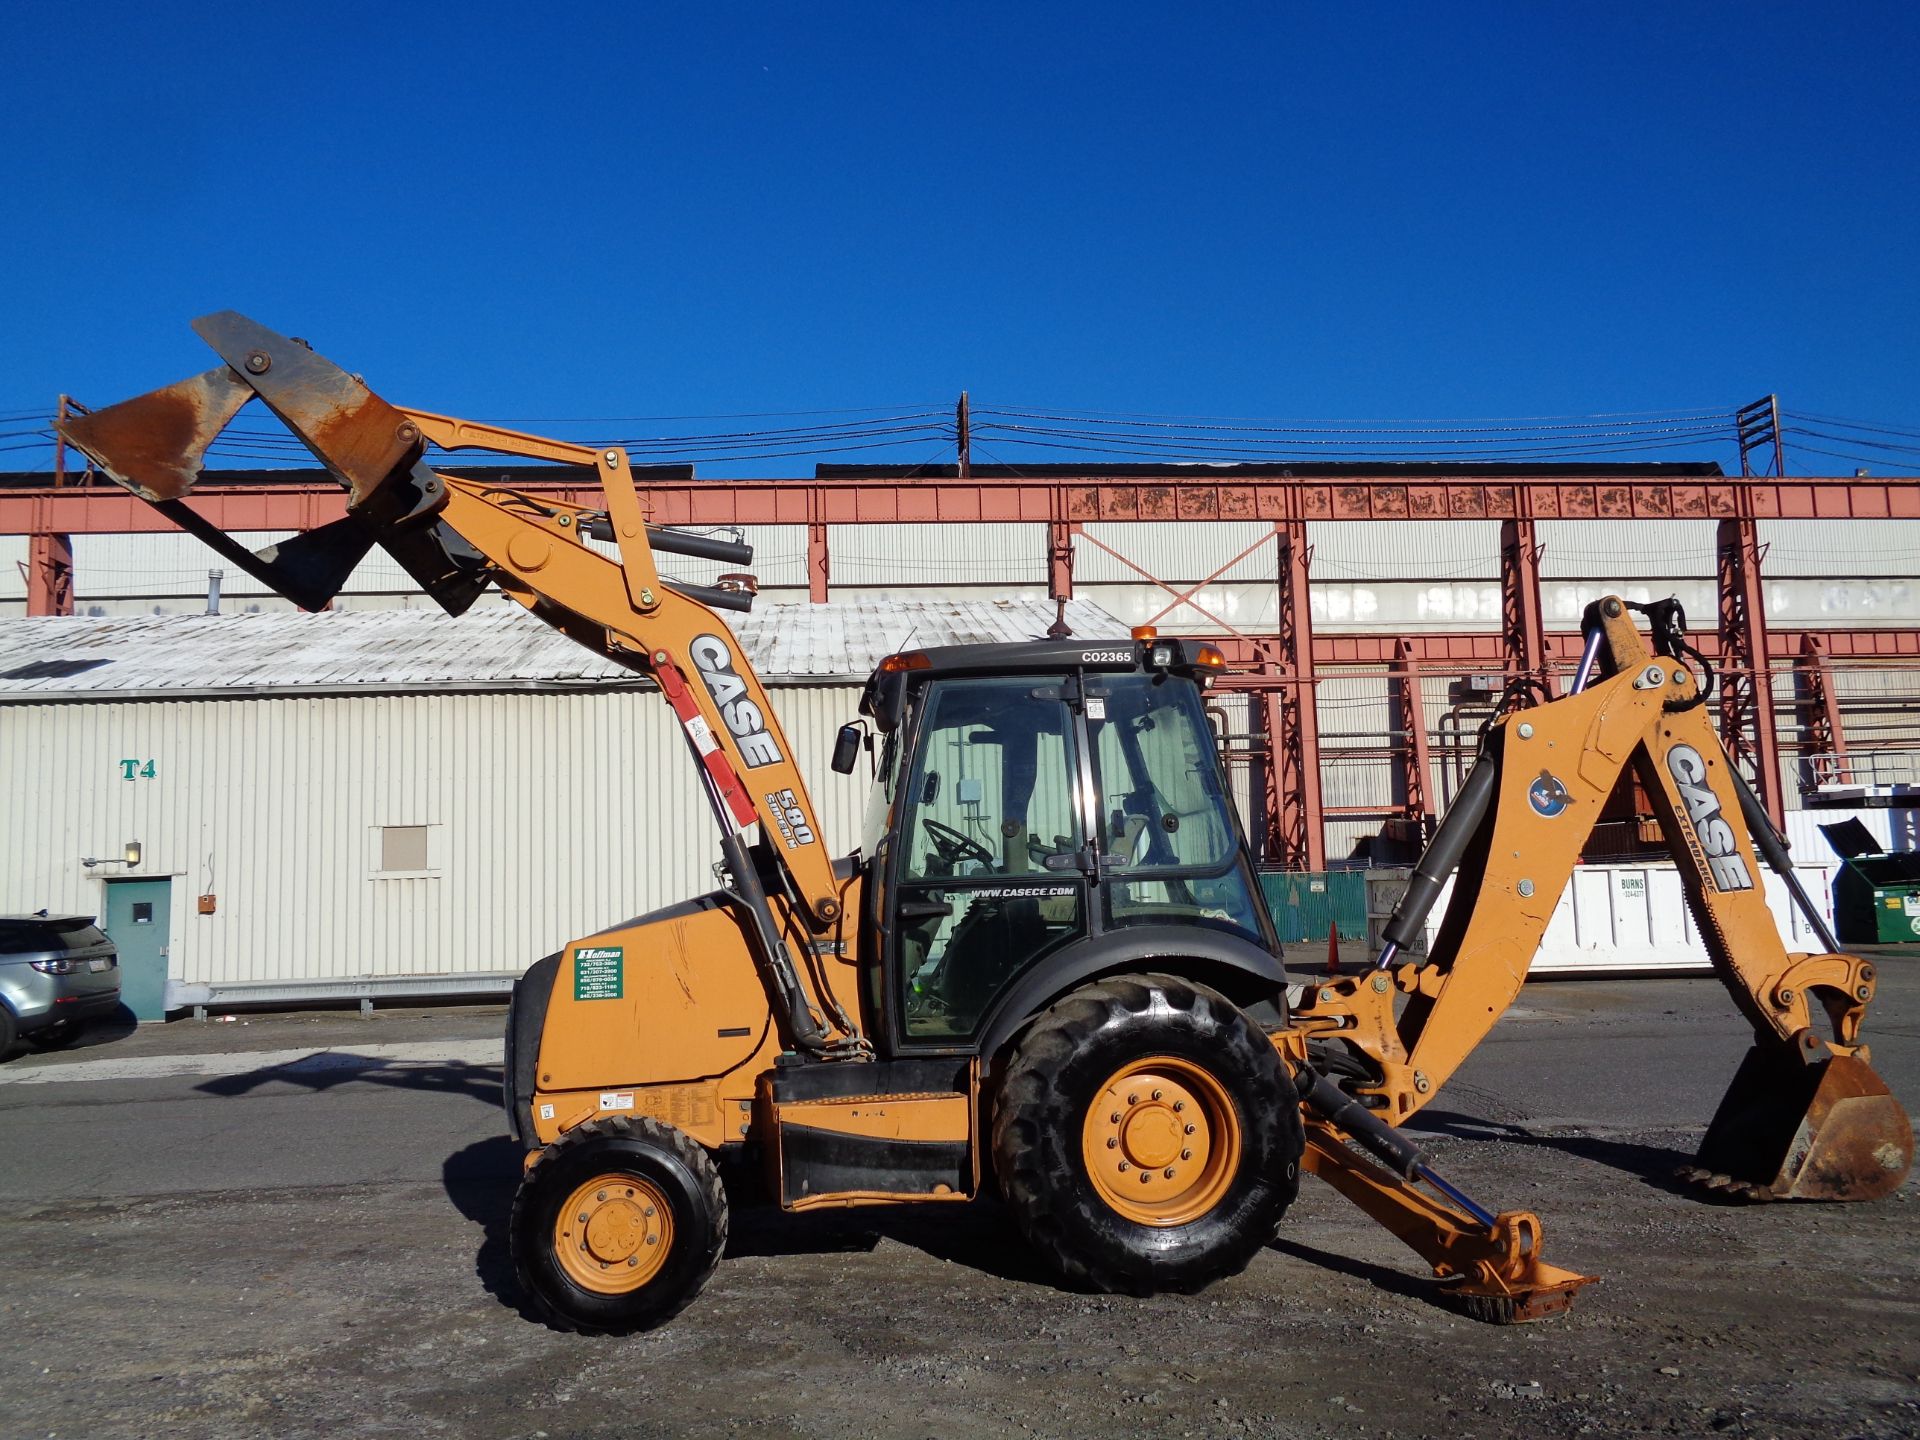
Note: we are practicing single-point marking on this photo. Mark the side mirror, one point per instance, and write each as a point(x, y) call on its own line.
point(846, 749)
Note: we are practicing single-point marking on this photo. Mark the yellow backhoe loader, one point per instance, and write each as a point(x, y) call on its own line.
point(1047, 967)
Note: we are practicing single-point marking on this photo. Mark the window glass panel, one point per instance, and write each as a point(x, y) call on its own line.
point(960, 946)
point(988, 801)
point(403, 847)
point(25, 939)
point(1162, 805)
point(873, 825)
point(992, 793)
point(1168, 838)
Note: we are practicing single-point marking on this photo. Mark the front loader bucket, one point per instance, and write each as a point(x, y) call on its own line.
point(156, 445)
point(1788, 1130)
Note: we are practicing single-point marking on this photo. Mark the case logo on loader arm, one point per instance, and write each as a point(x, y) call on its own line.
point(1716, 837)
point(714, 661)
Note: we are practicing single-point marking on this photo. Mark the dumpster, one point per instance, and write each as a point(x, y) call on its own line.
point(1876, 896)
point(1305, 903)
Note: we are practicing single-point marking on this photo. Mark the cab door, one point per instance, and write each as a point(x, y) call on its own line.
point(989, 858)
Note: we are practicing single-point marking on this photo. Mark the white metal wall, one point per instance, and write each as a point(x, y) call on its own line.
point(551, 816)
point(1620, 919)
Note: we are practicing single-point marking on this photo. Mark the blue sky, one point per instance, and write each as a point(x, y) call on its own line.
point(1291, 211)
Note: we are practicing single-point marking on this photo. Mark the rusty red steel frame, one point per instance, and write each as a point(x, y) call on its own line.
point(1280, 668)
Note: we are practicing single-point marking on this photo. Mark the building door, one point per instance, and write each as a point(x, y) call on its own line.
point(136, 920)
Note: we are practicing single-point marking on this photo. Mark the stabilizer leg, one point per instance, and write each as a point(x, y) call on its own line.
point(1493, 1273)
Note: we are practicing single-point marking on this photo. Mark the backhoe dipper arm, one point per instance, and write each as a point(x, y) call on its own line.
point(456, 536)
point(1515, 835)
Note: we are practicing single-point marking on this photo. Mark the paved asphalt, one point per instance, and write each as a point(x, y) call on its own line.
point(295, 1225)
point(320, 1100)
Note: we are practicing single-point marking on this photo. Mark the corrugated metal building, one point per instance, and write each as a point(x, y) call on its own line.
point(397, 794)
point(1399, 576)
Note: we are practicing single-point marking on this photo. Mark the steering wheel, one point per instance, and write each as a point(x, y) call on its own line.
point(953, 846)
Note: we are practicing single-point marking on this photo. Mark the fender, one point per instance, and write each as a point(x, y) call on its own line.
point(1239, 969)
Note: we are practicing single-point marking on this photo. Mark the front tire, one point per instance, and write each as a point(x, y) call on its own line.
point(617, 1226)
point(1147, 1136)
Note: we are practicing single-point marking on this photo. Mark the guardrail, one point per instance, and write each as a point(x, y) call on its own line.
point(1870, 768)
point(201, 996)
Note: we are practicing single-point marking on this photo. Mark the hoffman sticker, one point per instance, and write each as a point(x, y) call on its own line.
point(1548, 796)
point(791, 819)
point(616, 1100)
point(598, 972)
point(546, 1112)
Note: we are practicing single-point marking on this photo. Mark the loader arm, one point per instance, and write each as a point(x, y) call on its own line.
point(1806, 1116)
point(457, 536)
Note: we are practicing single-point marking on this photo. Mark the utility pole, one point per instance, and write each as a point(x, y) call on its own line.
point(964, 428)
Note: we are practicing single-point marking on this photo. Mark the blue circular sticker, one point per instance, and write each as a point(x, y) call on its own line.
point(1548, 796)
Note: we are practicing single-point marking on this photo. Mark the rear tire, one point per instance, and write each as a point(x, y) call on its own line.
point(1157, 1077)
point(9, 1032)
point(56, 1036)
point(617, 1226)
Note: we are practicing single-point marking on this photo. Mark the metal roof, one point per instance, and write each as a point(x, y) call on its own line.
point(497, 646)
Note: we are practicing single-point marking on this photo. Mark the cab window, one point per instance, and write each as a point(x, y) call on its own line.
point(1170, 850)
point(986, 882)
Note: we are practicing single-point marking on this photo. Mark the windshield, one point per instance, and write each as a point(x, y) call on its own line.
point(1161, 800)
point(1171, 851)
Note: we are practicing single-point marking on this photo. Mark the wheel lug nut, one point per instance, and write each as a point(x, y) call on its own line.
point(583, 1217)
point(1115, 1117)
point(1111, 1142)
point(1178, 1106)
point(1145, 1177)
point(1133, 1099)
point(649, 1212)
point(1168, 1172)
point(600, 1195)
point(1189, 1130)
point(632, 1260)
point(1186, 1154)
point(1156, 1094)
point(653, 1239)
point(1124, 1167)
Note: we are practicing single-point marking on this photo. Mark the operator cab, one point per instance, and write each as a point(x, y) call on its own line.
point(1037, 799)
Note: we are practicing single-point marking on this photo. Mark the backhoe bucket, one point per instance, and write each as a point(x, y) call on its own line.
point(1787, 1130)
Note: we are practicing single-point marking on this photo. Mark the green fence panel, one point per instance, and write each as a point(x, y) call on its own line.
point(1305, 903)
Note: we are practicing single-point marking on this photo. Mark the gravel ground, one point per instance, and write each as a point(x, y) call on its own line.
point(372, 1309)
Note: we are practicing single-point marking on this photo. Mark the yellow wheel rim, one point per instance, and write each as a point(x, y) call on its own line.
point(613, 1234)
point(1161, 1141)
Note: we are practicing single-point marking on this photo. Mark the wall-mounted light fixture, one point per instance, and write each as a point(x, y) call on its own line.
point(129, 856)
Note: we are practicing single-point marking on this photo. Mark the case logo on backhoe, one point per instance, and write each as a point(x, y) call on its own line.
point(1717, 840)
point(714, 661)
